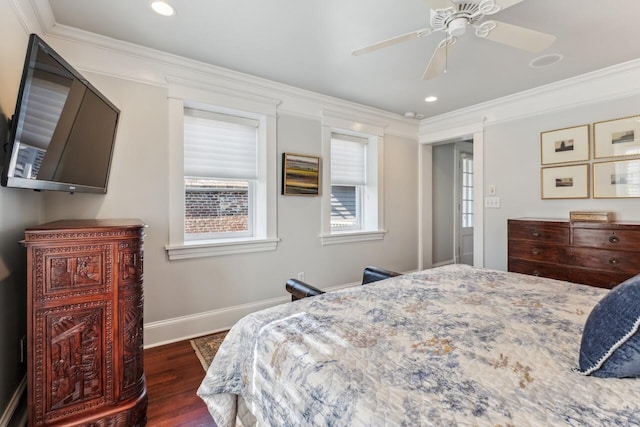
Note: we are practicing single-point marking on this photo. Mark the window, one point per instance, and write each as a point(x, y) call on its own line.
point(348, 181)
point(352, 210)
point(220, 173)
point(466, 208)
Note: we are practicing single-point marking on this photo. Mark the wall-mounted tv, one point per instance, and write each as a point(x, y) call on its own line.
point(63, 130)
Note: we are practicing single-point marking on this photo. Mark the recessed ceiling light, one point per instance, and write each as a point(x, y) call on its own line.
point(162, 8)
point(431, 98)
point(545, 60)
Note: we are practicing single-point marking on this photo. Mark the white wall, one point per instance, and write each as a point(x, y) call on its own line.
point(180, 289)
point(512, 163)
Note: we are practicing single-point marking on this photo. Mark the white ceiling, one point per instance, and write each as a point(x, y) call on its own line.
point(308, 44)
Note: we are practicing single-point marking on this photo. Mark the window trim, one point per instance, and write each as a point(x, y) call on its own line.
point(193, 94)
point(373, 222)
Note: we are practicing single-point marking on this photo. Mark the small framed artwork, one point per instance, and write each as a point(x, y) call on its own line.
point(619, 137)
point(565, 145)
point(565, 182)
point(616, 179)
point(300, 175)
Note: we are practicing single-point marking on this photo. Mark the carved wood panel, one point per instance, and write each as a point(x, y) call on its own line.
point(73, 361)
point(132, 344)
point(73, 271)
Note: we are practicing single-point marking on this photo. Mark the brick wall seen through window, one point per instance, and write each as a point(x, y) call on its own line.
point(215, 206)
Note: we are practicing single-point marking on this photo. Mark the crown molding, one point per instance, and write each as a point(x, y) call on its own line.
point(151, 66)
point(615, 82)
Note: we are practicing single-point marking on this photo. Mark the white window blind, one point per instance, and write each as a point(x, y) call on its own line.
point(219, 145)
point(348, 165)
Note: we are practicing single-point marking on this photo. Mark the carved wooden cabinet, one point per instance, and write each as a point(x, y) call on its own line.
point(84, 326)
point(599, 254)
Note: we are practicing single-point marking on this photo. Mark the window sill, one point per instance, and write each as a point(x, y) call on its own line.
point(349, 237)
point(210, 248)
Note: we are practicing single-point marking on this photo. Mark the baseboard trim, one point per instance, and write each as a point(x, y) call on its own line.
point(447, 262)
point(10, 412)
point(195, 325)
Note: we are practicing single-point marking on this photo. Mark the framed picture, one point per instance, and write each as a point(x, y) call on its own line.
point(565, 145)
point(614, 138)
point(616, 179)
point(300, 175)
point(565, 182)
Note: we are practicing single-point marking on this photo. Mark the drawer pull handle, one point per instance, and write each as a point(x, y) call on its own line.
point(613, 261)
point(535, 273)
point(535, 251)
point(535, 233)
point(614, 239)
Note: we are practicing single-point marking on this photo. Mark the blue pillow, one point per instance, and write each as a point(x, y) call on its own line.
point(610, 344)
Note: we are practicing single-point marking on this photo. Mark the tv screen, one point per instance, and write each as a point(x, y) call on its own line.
point(63, 129)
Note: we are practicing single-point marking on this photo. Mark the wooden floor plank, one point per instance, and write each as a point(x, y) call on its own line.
point(173, 374)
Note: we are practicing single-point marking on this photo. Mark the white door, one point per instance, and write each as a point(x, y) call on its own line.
point(464, 253)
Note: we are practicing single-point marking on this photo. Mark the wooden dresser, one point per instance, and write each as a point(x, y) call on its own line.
point(84, 325)
point(594, 253)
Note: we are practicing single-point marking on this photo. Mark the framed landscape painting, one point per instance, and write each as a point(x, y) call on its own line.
point(565, 182)
point(617, 179)
point(565, 145)
point(300, 175)
point(620, 137)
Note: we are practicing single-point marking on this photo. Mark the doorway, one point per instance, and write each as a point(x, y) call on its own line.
point(452, 203)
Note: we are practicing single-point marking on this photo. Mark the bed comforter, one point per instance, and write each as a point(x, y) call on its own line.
point(454, 345)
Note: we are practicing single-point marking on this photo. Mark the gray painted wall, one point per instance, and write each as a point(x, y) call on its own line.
point(18, 209)
point(512, 163)
point(443, 204)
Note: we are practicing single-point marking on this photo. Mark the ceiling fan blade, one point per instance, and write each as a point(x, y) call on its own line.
point(520, 37)
point(439, 4)
point(438, 62)
point(392, 41)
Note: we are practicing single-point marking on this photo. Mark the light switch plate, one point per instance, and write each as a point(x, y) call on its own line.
point(492, 202)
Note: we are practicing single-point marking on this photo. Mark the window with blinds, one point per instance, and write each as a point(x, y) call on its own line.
point(220, 172)
point(348, 178)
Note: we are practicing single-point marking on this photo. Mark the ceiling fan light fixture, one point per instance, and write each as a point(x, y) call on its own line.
point(162, 8)
point(457, 27)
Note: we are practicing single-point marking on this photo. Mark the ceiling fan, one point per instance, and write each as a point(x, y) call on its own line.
point(454, 17)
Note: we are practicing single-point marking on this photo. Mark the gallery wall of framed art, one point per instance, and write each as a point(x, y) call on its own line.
point(568, 172)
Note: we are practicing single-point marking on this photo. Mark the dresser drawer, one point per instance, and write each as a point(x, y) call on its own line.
point(537, 268)
point(598, 278)
point(620, 239)
point(536, 251)
point(603, 259)
point(549, 232)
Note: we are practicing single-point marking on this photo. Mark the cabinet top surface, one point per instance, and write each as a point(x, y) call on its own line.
point(590, 224)
point(87, 223)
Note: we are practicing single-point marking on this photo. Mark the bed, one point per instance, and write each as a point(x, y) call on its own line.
point(454, 345)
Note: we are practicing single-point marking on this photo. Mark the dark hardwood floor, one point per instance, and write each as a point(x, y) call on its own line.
point(173, 375)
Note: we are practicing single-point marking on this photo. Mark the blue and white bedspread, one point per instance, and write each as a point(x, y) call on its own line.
point(449, 346)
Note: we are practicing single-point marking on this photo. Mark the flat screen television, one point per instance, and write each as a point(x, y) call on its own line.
point(62, 132)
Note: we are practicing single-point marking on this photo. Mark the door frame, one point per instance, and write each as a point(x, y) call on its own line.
point(472, 131)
